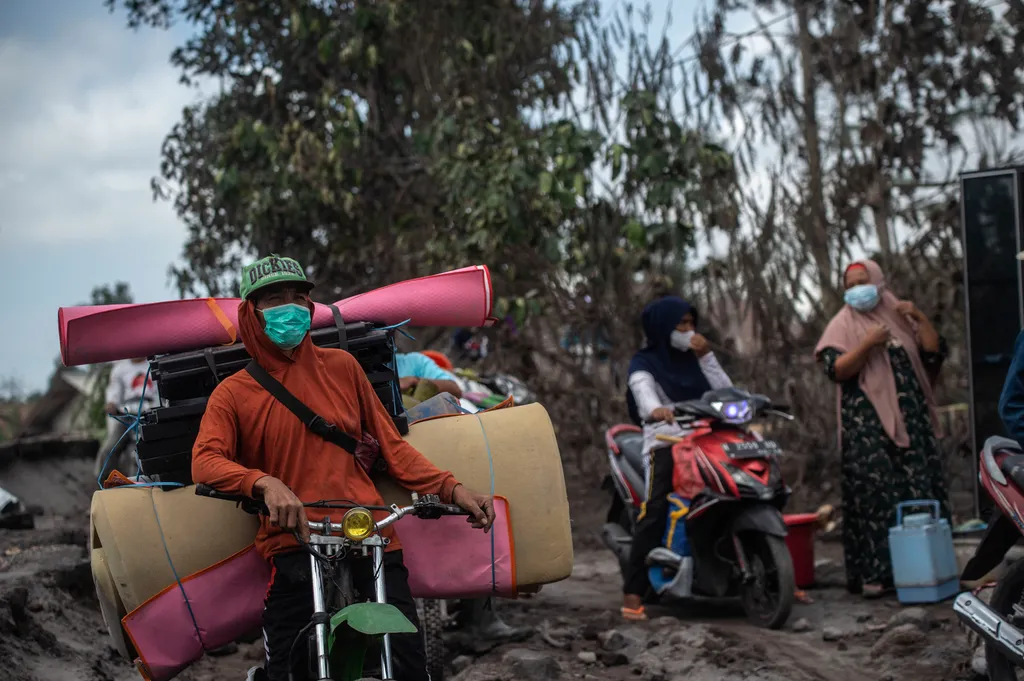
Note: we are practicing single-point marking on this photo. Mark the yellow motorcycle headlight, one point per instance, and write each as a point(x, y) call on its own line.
point(357, 524)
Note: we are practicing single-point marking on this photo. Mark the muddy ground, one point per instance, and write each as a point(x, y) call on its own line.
point(51, 630)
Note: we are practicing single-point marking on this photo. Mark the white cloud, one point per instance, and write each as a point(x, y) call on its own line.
point(83, 118)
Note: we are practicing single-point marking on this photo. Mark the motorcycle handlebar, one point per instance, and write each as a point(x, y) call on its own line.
point(421, 508)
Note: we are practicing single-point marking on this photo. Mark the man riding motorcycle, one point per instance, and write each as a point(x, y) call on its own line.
point(251, 444)
point(677, 364)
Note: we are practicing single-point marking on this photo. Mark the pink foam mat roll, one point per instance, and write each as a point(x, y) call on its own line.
point(90, 334)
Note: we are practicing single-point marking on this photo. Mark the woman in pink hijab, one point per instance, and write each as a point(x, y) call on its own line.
point(884, 354)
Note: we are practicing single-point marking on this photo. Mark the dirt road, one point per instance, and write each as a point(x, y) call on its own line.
point(50, 629)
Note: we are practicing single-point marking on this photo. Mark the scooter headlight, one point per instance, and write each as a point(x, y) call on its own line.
point(357, 524)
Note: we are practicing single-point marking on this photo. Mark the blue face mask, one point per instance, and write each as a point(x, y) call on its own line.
point(286, 325)
point(863, 298)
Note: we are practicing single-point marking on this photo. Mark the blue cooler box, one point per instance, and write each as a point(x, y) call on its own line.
point(924, 566)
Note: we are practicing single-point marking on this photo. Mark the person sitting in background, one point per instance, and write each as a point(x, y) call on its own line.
point(414, 367)
point(676, 365)
point(128, 384)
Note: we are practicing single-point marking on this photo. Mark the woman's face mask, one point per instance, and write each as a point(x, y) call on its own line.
point(863, 297)
point(286, 325)
point(680, 340)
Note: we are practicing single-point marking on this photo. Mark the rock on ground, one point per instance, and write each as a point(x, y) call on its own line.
point(901, 640)
point(532, 664)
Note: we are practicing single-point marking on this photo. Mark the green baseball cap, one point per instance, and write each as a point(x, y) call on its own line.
point(272, 270)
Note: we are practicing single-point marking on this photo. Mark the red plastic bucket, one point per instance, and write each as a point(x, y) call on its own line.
point(800, 542)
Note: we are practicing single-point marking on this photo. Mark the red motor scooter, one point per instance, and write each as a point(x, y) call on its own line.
point(730, 494)
point(1001, 622)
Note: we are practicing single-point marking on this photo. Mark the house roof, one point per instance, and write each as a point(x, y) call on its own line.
point(65, 385)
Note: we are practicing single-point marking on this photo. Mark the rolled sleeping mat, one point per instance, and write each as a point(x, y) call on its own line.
point(111, 607)
point(147, 535)
point(517, 446)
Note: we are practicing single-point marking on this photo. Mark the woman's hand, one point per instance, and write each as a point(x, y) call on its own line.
point(663, 414)
point(878, 335)
point(927, 336)
point(408, 382)
point(907, 308)
point(699, 345)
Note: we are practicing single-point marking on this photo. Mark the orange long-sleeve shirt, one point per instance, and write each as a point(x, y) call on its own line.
point(247, 434)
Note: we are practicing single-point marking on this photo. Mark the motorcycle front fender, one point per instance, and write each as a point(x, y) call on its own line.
point(999, 538)
point(351, 629)
point(760, 518)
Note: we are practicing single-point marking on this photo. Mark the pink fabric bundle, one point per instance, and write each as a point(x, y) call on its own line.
point(226, 600)
point(91, 334)
point(449, 558)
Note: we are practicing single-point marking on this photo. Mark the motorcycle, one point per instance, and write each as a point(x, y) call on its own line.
point(339, 631)
point(734, 540)
point(1000, 623)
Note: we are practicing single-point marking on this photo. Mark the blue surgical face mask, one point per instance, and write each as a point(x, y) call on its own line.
point(863, 298)
point(286, 325)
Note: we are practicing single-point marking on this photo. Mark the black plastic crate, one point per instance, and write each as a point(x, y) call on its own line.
point(167, 434)
point(194, 375)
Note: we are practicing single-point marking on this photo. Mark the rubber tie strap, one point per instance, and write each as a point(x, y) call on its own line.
point(181, 587)
point(490, 464)
point(223, 319)
point(339, 322)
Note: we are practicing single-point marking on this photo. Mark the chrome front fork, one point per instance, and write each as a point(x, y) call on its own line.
point(323, 667)
point(380, 593)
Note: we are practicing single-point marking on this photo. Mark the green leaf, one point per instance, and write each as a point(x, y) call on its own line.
point(546, 180)
point(635, 234)
point(579, 184)
point(615, 154)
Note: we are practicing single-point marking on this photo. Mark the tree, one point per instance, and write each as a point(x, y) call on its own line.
point(376, 141)
point(866, 109)
point(111, 294)
point(118, 293)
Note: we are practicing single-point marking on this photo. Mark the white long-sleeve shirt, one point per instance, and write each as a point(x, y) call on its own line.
point(127, 380)
point(650, 396)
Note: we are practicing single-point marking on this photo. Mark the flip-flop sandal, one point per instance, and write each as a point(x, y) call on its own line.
point(633, 614)
point(872, 592)
point(802, 597)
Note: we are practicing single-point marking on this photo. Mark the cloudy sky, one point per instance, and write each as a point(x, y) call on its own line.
point(86, 104)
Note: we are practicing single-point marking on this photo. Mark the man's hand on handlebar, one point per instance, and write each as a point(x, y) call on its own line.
point(286, 510)
point(665, 414)
point(479, 506)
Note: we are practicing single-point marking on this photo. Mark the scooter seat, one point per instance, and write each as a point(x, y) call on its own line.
point(1013, 467)
point(631, 445)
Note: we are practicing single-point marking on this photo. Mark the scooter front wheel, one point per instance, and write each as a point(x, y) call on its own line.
point(769, 595)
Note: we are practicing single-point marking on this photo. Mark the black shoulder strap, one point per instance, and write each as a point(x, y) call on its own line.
point(339, 322)
point(309, 418)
